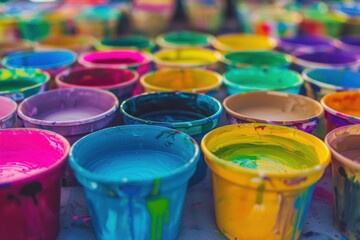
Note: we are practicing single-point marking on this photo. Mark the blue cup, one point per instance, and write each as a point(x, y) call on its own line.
point(191, 113)
point(135, 179)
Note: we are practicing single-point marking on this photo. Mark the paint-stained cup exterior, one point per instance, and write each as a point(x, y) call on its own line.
point(290, 44)
point(184, 39)
point(259, 79)
point(288, 110)
point(8, 109)
point(185, 80)
point(30, 203)
point(19, 84)
point(121, 82)
point(191, 113)
point(76, 43)
point(147, 208)
point(136, 42)
point(319, 82)
point(341, 109)
point(344, 143)
point(253, 204)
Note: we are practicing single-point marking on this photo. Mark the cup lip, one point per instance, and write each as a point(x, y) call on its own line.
point(82, 61)
point(252, 172)
point(64, 63)
point(104, 179)
point(83, 121)
point(59, 82)
point(307, 78)
point(44, 171)
point(328, 109)
point(182, 124)
point(159, 61)
point(160, 40)
point(345, 160)
point(224, 58)
point(13, 110)
point(235, 114)
point(146, 85)
point(229, 83)
point(35, 85)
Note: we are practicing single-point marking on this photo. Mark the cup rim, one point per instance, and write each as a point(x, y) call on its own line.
point(254, 172)
point(13, 110)
point(160, 40)
point(44, 171)
point(345, 160)
point(101, 43)
point(105, 180)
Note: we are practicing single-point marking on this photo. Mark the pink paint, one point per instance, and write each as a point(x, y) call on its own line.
point(321, 194)
point(31, 164)
point(7, 112)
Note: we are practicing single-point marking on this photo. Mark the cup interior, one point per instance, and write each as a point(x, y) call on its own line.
point(347, 102)
point(186, 56)
point(115, 57)
point(334, 78)
point(7, 107)
point(257, 58)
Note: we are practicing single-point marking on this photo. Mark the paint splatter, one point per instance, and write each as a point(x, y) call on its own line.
point(30, 190)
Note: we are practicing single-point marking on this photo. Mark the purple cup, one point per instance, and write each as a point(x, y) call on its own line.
point(291, 44)
point(349, 44)
point(7, 112)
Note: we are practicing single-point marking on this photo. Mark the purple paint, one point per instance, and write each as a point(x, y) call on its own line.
point(349, 44)
point(314, 42)
point(7, 112)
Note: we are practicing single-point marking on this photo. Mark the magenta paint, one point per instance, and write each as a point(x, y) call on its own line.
point(32, 162)
point(7, 112)
point(121, 82)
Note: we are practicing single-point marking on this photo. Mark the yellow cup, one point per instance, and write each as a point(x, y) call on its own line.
point(243, 42)
point(263, 178)
point(77, 43)
point(186, 80)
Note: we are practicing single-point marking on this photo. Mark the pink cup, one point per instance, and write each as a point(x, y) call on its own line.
point(31, 166)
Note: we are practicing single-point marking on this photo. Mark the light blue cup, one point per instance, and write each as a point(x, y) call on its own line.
point(135, 179)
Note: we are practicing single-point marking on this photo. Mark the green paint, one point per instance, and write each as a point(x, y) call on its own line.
point(15, 85)
point(159, 211)
point(187, 38)
point(245, 161)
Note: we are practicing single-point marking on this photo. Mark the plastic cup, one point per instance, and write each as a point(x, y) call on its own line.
point(193, 114)
point(186, 80)
point(136, 178)
point(263, 59)
point(139, 43)
point(76, 43)
point(344, 144)
point(259, 79)
point(19, 84)
point(184, 39)
point(13, 47)
point(187, 58)
point(320, 82)
point(121, 82)
point(7, 112)
point(32, 162)
point(235, 42)
point(341, 109)
point(349, 44)
point(290, 44)
point(9, 31)
point(263, 175)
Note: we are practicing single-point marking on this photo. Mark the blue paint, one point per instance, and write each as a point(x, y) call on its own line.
point(340, 79)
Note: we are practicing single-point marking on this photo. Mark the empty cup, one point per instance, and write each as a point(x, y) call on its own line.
point(277, 108)
point(186, 80)
point(263, 175)
point(191, 113)
point(290, 44)
point(341, 109)
point(7, 112)
point(135, 179)
point(184, 39)
point(32, 163)
point(260, 79)
point(19, 84)
point(344, 143)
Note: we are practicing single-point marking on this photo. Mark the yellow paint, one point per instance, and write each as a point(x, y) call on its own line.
point(188, 80)
point(252, 204)
point(78, 43)
point(347, 102)
point(243, 42)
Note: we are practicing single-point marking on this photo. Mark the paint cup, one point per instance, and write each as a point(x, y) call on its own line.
point(121, 82)
point(260, 79)
point(136, 178)
point(190, 113)
point(7, 48)
point(352, 12)
point(277, 108)
point(9, 31)
point(187, 58)
point(205, 16)
point(235, 42)
point(32, 162)
point(7, 112)
point(186, 80)
point(139, 43)
point(349, 44)
point(290, 44)
point(184, 39)
point(344, 144)
point(121, 59)
point(76, 43)
point(19, 84)
point(263, 175)
point(262, 59)
point(320, 82)
point(267, 19)
point(341, 109)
